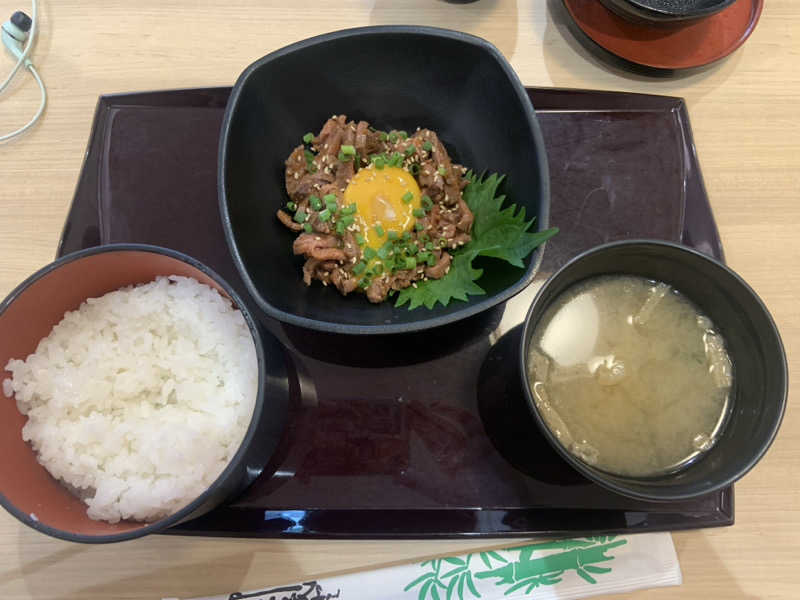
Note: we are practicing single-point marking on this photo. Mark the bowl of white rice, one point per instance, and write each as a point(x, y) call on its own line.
point(136, 394)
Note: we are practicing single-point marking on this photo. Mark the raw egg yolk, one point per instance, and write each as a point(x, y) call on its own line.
point(385, 200)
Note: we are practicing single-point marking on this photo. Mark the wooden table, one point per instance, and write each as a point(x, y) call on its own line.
point(746, 118)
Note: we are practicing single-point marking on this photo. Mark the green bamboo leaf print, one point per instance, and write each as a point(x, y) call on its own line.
point(435, 593)
point(540, 564)
point(455, 571)
point(418, 580)
point(533, 581)
point(471, 585)
point(597, 570)
point(585, 575)
point(451, 587)
point(552, 578)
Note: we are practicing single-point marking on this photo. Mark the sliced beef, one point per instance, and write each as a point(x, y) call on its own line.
point(344, 281)
point(319, 246)
point(378, 290)
point(288, 222)
point(440, 269)
point(330, 256)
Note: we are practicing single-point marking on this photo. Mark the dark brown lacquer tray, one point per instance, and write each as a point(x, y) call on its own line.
point(427, 434)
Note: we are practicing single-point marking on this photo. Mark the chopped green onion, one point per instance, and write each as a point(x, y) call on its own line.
point(406, 236)
point(291, 206)
point(360, 239)
point(431, 260)
point(418, 212)
point(309, 155)
point(348, 150)
point(411, 150)
point(424, 238)
point(442, 171)
point(308, 137)
point(307, 227)
point(340, 227)
point(315, 202)
point(410, 263)
point(419, 226)
point(377, 268)
point(369, 253)
point(325, 215)
point(393, 137)
point(442, 242)
point(396, 160)
point(343, 157)
point(383, 136)
point(427, 146)
point(379, 230)
point(311, 168)
point(392, 235)
point(407, 197)
point(300, 216)
point(413, 249)
point(349, 209)
point(423, 256)
point(379, 162)
point(329, 198)
point(414, 168)
point(402, 134)
point(385, 250)
point(360, 267)
point(348, 220)
point(364, 283)
point(429, 246)
point(427, 203)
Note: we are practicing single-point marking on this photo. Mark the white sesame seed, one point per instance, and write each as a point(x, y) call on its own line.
point(297, 175)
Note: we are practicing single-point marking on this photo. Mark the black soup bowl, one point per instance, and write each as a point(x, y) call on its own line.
point(394, 77)
point(760, 375)
point(667, 11)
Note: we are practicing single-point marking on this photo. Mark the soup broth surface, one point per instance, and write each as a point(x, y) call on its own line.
point(629, 375)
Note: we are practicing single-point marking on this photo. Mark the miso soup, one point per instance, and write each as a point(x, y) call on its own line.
point(629, 375)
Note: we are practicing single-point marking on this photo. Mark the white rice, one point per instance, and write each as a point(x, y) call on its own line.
point(139, 399)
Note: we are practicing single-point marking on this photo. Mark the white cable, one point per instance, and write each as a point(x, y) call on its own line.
point(26, 50)
point(32, 122)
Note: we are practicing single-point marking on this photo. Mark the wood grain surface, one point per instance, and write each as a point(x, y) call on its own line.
point(745, 113)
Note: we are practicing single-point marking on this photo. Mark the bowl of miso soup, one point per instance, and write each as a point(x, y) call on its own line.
point(654, 370)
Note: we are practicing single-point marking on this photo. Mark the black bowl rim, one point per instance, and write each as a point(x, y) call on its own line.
point(187, 510)
point(591, 474)
point(676, 15)
point(470, 308)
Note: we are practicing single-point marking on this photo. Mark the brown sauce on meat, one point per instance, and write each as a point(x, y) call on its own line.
point(341, 247)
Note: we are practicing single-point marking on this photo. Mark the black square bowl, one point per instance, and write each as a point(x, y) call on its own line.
point(395, 77)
